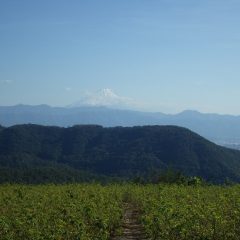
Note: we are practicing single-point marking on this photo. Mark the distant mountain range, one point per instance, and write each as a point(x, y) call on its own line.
point(222, 129)
point(37, 154)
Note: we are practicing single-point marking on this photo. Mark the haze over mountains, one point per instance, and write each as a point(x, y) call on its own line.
point(222, 129)
point(82, 153)
point(105, 107)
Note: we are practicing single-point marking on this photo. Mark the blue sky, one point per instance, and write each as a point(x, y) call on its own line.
point(168, 55)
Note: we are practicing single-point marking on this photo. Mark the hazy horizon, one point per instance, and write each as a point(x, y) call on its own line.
point(158, 56)
point(126, 109)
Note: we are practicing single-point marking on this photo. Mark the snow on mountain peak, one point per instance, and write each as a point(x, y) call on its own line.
point(107, 92)
point(104, 97)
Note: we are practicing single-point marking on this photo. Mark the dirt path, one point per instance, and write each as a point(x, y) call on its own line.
point(132, 229)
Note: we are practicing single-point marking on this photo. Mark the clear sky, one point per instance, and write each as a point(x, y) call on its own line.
point(168, 55)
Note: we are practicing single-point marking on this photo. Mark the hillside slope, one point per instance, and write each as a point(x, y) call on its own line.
point(119, 151)
point(222, 129)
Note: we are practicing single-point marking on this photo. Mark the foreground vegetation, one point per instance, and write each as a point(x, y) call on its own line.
point(196, 213)
point(59, 212)
point(92, 211)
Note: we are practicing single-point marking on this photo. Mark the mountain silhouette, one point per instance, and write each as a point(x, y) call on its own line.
point(32, 151)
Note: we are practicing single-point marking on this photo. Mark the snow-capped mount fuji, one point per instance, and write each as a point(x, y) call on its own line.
point(104, 98)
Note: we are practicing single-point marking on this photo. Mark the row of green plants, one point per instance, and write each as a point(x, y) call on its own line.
point(95, 212)
point(171, 212)
point(68, 212)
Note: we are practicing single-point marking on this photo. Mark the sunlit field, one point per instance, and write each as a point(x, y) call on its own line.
point(92, 211)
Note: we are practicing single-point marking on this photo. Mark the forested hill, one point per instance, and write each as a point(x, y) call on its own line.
point(223, 129)
point(33, 153)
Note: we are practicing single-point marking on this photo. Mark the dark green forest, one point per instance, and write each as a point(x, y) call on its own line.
point(39, 154)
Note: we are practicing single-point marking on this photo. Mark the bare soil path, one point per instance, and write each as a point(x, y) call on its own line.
point(132, 228)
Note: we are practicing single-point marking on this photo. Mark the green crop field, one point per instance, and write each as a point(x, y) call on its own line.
point(92, 211)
